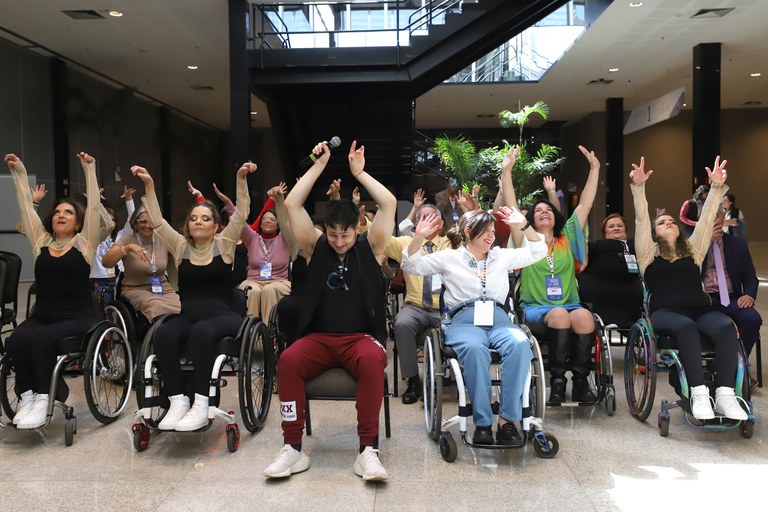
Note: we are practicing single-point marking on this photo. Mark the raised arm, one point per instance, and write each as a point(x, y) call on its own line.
point(90, 231)
point(31, 224)
point(590, 188)
point(550, 187)
point(301, 222)
point(412, 260)
point(169, 236)
point(702, 234)
point(231, 234)
point(277, 194)
point(384, 222)
point(645, 247)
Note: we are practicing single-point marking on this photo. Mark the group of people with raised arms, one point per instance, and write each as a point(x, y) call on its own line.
point(340, 320)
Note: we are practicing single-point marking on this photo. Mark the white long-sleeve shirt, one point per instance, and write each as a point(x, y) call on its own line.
point(461, 273)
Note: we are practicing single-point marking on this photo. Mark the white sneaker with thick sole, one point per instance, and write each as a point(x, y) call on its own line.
point(287, 462)
point(179, 407)
point(701, 403)
point(197, 416)
point(37, 415)
point(727, 404)
point(368, 466)
point(26, 399)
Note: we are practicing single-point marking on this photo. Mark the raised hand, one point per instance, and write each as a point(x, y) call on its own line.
point(418, 198)
point(128, 193)
point(277, 191)
point(143, 175)
point(475, 190)
point(467, 202)
point(512, 217)
point(322, 152)
point(427, 225)
point(38, 193)
point(12, 160)
point(719, 174)
point(549, 184)
point(638, 174)
point(222, 197)
point(85, 158)
point(333, 190)
point(192, 190)
point(509, 161)
point(101, 193)
point(594, 163)
point(246, 169)
point(356, 159)
point(356, 195)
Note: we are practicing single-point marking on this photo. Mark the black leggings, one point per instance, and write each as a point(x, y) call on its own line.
point(686, 327)
point(33, 348)
point(196, 338)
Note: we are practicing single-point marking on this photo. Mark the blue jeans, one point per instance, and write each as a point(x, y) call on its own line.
point(472, 344)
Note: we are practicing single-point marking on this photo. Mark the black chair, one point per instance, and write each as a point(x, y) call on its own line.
point(10, 288)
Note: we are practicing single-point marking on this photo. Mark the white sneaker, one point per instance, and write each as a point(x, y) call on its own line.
point(26, 400)
point(287, 462)
point(727, 404)
point(197, 417)
point(37, 414)
point(179, 407)
point(701, 403)
point(368, 465)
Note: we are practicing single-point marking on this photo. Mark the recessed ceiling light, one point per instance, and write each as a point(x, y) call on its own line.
point(685, 104)
point(192, 67)
point(635, 4)
point(613, 70)
point(755, 74)
point(254, 113)
point(116, 14)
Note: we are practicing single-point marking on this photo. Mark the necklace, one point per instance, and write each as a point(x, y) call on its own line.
point(60, 244)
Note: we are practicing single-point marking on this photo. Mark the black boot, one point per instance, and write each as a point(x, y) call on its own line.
point(413, 393)
point(559, 344)
point(581, 358)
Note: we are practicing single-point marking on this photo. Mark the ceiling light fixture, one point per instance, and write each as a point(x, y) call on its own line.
point(755, 74)
point(116, 14)
point(254, 113)
point(192, 67)
point(613, 70)
point(635, 4)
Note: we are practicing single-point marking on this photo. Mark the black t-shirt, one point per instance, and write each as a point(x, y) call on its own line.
point(341, 308)
point(675, 284)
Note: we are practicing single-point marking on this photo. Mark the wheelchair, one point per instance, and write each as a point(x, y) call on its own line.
point(442, 370)
point(248, 356)
point(120, 312)
point(647, 354)
point(103, 357)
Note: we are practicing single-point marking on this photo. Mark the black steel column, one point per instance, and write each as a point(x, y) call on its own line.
point(706, 109)
point(614, 156)
point(164, 132)
point(239, 97)
point(61, 156)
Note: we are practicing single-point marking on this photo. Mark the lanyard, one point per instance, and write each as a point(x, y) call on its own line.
point(265, 248)
point(551, 258)
point(484, 276)
point(626, 247)
point(152, 262)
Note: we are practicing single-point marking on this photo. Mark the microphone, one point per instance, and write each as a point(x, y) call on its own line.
point(308, 161)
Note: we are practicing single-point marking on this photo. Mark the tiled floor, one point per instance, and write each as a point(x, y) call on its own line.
point(604, 463)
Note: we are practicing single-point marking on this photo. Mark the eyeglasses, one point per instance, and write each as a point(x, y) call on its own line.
point(335, 280)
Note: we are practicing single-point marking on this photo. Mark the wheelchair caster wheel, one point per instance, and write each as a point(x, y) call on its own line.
point(545, 445)
point(69, 432)
point(448, 448)
point(233, 438)
point(747, 428)
point(663, 424)
point(610, 402)
point(140, 437)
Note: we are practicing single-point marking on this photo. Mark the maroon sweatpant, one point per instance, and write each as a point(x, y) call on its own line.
point(360, 354)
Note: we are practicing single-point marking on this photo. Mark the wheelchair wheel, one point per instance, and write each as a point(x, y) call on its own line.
point(118, 313)
point(9, 398)
point(157, 412)
point(278, 338)
point(108, 372)
point(433, 385)
point(747, 428)
point(545, 445)
point(233, 438)
point(663, 424)
point(448, 448)
point(640, 370)
point(538, 392)
point(256, 374)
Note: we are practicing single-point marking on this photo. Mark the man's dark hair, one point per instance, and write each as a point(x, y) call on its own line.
point(342, 214)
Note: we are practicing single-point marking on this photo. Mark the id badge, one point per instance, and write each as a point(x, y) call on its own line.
point(484, 313)
point(111, 272)
point(156, 282)
point(437, 282)
point(554, 288)
point(455, 217)
point(265, 271)
point(631, 260)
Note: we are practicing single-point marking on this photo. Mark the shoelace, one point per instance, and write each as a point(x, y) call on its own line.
point(700, 398)
point(738, 399)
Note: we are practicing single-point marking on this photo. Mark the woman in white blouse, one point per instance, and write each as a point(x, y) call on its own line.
point(476, 283)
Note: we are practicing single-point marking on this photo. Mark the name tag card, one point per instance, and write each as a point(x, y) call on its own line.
point(632, 267)
point(265, 271)
point(156, 282)
point(554, 288)
point(484, 313)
